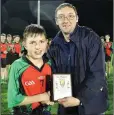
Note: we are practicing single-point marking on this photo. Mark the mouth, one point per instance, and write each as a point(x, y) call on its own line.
point(38, 52)
point(66, 26)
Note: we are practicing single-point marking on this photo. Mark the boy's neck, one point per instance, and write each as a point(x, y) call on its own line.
point(37, 62)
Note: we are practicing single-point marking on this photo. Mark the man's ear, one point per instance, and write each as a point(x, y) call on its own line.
point(56, 22)
point(77, 18)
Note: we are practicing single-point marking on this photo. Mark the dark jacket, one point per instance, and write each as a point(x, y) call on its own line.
point(83, 57)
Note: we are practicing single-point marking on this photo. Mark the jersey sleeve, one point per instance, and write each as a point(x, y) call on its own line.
point(14, 96)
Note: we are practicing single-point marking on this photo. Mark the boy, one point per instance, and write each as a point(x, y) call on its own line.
point(3, 50)
point(27, 89)
point(10, 51)
point(17, 47)
point(10, 48)
point(108, 52)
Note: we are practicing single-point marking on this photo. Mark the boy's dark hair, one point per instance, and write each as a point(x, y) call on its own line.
point(3, 34)
point(9, 35)
point(65, 5)
point(33, 30)
point(16, 36)
point(107, 35)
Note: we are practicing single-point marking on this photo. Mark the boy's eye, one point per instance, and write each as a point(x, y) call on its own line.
point(42, 41)
point(32, 42)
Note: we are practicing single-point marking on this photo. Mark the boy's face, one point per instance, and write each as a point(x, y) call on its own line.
point(102, 40)
point(9, 39)
point(107, 37)
point(36, 46)
point(3, 39)
point(17, 39)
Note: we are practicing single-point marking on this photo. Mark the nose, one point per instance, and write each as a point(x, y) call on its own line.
point(37, 46)
point(66, 19)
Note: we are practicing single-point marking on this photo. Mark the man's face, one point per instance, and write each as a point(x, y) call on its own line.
point(66, 19)
point(36, 46)
point(9, 38)
point(3, 39)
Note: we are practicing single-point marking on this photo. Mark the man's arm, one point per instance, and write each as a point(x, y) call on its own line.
point(94, 92)
point(51, 55)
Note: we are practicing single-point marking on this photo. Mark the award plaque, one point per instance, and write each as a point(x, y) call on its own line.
point(61, 86)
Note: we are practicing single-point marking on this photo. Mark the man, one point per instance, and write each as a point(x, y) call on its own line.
point(78, 50)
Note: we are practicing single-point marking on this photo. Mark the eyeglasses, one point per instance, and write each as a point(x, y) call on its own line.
point(62, 17)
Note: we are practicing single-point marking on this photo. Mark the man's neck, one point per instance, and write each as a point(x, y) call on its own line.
point(66, 37)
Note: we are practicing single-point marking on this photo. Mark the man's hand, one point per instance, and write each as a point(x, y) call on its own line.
point(69, 101)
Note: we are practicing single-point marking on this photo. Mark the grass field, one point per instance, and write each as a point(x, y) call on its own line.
point(6, 111)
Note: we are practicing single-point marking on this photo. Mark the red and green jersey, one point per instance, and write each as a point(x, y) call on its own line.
point(3, 47)
point(17, 48)
point(108, 48)
point(10, 47)
point(25, 79)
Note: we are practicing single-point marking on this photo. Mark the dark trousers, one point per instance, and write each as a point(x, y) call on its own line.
point(23, 111)
point(72, 111)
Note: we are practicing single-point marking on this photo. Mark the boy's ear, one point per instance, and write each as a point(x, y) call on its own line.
point(24, 44)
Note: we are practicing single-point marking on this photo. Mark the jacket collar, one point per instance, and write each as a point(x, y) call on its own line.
point(74, 36)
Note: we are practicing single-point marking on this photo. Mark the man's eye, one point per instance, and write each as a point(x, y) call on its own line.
point(70, 15)
point(61, 17)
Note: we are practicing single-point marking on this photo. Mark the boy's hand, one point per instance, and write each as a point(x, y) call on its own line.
point(5, 52)
point(50, 103)
point(45, 96)
point(12, 46)
point(69, 101)
point(47, 102)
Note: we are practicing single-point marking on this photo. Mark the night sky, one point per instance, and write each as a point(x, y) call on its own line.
point(16, 14)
